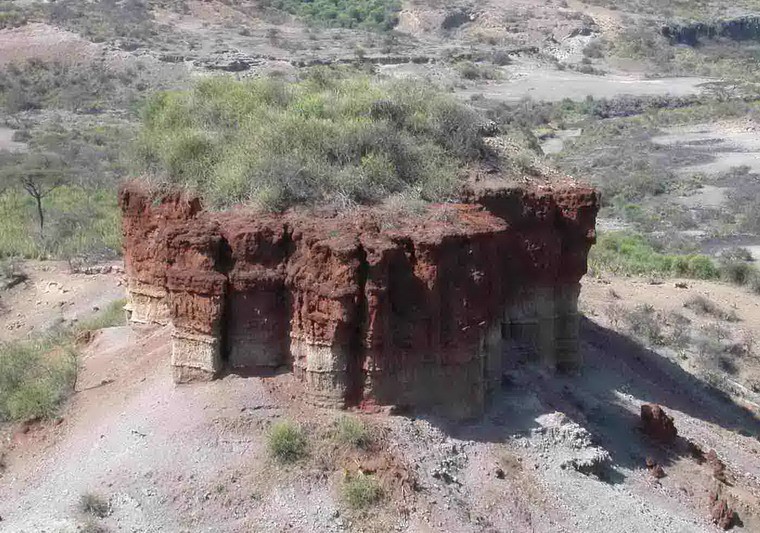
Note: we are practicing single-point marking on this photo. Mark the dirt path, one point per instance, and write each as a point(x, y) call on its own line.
point(53, 296)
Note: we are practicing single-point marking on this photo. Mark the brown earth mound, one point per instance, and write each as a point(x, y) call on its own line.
point(422, 313)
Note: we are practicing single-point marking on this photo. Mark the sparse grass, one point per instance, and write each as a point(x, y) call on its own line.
point(326, 140)
point(91, 87)
point(10, 272)
point(689, 9)
point(644, 322)
point(11, 16)
point(679, 335)
point(287, 442)
point(113, 315)
point(35, 377)
point(38, 374)
point(91, 525)
point(353, 432)
point(361, 491)
point(37, 85)
point(95, 505)
point(704, 306)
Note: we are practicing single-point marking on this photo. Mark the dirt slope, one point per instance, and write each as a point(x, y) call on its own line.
point(194, 458)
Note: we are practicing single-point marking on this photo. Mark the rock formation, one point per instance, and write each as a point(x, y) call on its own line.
point(656, 423)
point(746, 28)
point(421, 311)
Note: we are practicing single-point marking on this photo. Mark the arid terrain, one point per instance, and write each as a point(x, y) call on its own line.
point(655, 104)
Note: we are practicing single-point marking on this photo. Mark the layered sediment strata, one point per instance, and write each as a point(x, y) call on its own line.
point(422, 311)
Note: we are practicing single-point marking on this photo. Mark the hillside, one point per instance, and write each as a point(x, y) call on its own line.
point(379, 118)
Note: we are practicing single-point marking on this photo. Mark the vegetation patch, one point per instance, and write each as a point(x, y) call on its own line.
point(630, 254)
point(379, 15)
point(361, 491)
point(644, 322)
point(325, 140)
point(38, 374)
point(95, 505)
point(704, 306)
point(11, 16)
point(287, 442)
point(351, 431)
point(112, 315)
point(35, 377)
point(81, 222)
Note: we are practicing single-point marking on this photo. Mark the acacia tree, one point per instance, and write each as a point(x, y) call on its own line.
point(38, 174)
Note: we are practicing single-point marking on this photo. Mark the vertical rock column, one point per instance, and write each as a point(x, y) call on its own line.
point(197, 291)
point(576, 222)
point(529, 323)
point(566, 326)
point(327, 297)
point(147, 221)
point(197, 306)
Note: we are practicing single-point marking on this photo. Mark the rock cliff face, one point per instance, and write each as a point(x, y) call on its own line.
point(425, 312)
point(745, 28)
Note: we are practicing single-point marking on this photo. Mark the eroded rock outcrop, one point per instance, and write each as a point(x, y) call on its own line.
point(423, 311)
point(746, 28)
point(656, 423)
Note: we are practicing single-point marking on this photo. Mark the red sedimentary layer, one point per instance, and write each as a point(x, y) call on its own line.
point(417, 311)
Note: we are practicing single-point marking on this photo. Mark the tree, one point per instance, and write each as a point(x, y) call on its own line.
point(38, 174)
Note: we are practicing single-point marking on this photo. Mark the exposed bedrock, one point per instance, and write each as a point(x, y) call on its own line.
point(425, 313)
point(745, 28)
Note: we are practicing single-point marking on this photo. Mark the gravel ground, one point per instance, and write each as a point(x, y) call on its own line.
point(553, 453)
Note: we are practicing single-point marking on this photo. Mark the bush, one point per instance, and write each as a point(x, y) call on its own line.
point(381, 15)
point(704, 306)
point(324, 140)
point(35, 377)
point(630, 254)
point(644, 322)
point(736, 272)
point(287, 442)
point(95, 505)
point(474, 71)
point(352, 432)
point(361, 491)
point(82, 222)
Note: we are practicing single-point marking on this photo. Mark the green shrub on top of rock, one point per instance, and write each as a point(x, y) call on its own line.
point(328, 139)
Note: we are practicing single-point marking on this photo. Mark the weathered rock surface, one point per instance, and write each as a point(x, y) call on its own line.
point(421, 314)
point(746, 28)
point(722, 515)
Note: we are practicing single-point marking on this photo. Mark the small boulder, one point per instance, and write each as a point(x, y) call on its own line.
point(656, 470)
point(718, 467)
point(696, 452)
point(657, 424)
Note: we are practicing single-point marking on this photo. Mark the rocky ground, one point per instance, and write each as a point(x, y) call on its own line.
point(552, 453)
